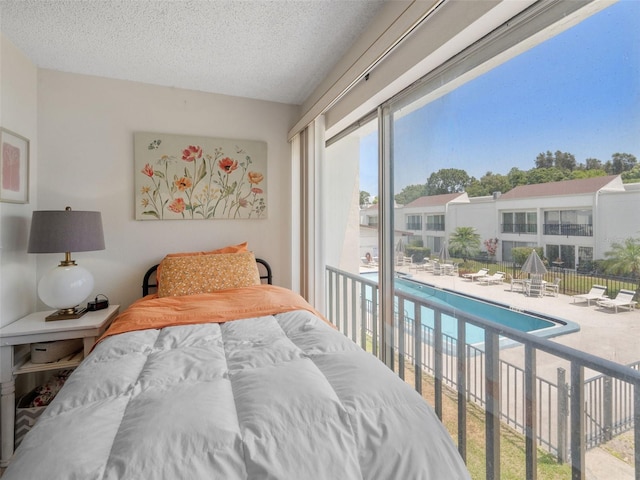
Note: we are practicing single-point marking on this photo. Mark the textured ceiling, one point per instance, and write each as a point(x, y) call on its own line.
point(276, 50)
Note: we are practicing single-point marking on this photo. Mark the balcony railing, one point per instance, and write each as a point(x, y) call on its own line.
point(519, 228)
point(569, 229)
point(566, 416)
point(438, 227)
point(414, 226)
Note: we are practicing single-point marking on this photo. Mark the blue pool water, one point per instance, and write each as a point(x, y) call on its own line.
point(498, 313)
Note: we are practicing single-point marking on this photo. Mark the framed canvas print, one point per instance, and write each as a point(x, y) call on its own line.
point(182, 177)
point(14, 167)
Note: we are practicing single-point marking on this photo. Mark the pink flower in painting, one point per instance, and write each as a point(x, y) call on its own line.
point(177, 205)
point(257, 191)
point(227, 164)
point(191, 153)
point(148, 170)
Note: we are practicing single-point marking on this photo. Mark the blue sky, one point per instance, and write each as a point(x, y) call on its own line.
point(578, 92)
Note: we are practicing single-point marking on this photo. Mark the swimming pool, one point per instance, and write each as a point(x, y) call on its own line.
point(525, 321)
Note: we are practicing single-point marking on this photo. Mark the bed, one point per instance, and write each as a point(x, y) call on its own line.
point(243, 382)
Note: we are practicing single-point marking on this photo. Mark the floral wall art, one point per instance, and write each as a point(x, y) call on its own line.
point(188, 177)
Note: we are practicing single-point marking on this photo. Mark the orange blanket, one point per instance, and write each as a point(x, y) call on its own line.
point(222, 306)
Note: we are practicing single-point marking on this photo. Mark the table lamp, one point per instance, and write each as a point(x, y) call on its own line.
point(56, 231)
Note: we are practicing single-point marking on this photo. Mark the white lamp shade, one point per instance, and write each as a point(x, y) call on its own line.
point(65, 286)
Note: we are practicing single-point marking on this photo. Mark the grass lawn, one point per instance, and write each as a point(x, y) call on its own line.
point(512, 443)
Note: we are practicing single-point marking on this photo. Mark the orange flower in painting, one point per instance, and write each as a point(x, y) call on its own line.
point(255, 177)
point(227, 164)
point(177, 205)
point(191, 153)
point(148, 170)
point(183, 183)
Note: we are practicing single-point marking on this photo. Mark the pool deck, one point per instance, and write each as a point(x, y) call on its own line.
point(604, 333)
point(610, 335)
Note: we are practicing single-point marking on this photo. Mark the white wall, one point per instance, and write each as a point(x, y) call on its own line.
point(18, 97)
point(617, 218)
point(86, 127)
point(342, 203)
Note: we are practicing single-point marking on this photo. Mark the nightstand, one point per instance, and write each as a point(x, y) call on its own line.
point(16, 361)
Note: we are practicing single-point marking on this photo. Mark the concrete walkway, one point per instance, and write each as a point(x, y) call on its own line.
point(613, 336)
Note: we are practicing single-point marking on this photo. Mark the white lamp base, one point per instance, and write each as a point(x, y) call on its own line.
point(65, 287)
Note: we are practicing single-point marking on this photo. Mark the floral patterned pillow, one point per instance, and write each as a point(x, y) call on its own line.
point(194, 274)
point(239, 248)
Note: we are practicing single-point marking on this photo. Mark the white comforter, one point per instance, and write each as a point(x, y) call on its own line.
point(276, 397)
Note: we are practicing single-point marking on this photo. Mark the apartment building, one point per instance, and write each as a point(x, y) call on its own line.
point(575, 221)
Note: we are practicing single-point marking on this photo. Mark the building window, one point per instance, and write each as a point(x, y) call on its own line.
point(435, 222)
point(570, 223)
point(414, 222)
point(519, 222)
point(561, 256)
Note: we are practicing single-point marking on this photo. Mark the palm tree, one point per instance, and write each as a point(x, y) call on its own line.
point(624, 258)
point(465, 242)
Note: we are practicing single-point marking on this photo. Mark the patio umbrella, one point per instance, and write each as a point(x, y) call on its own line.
point(533, 265)
point(444, 253)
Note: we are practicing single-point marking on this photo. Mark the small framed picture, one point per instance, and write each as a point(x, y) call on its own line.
point(14, 167)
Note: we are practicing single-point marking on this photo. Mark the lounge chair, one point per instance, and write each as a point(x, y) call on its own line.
point(479, 274)
point(553, 288)
point(535, 287)
point(624, 298)
point(596, 293)
point(494, 279)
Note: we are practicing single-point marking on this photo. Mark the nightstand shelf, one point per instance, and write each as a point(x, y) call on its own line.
point(70, 361)
point(15, 340)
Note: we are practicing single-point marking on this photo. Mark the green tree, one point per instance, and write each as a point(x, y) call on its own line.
point(448, 180)
point(620, 162)
point(561, 160)
point(365, 198)
point(488, 183)
point(544, 160)
point(593, 164)
point(517, 177)
point(632, 176)
point(464, 242)
point(565, 161)
point(545, 175)
point(579, 174)
point(410, 193)
point(624, 258)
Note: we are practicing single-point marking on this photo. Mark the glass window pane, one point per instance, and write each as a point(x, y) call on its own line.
point(352, 174)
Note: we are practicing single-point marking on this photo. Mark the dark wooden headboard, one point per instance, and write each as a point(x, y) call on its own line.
point(149, 277)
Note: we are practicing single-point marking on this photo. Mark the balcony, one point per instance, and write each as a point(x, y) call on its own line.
point(414, 226)
point(569, 229)
point(438, 227)
point(530, 228)
point(564, 416)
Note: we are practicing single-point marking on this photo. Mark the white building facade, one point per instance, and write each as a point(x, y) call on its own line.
point(575, 221)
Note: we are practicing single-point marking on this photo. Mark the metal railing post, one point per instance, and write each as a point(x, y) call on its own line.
point(563, 412)
point(437, 362)
point(417, 354)
point(492, 414)
point(401, 321)
point(607, 409)
point(531, 410)
point(461, 353)
point(578, 447)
